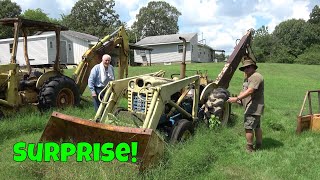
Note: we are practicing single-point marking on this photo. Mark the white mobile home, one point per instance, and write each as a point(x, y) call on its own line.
point(169, 48)
point(42, 48)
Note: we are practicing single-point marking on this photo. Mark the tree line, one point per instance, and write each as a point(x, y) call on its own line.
point(98, 18)
point(292, 41)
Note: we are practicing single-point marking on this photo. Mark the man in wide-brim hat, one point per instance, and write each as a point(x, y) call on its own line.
point(247, 63)
point(252, 98)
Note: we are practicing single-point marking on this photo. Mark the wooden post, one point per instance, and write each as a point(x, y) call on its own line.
point(25, 46)
point(15, 42)
point(310, 103)
point(149, 57)
point(56, 66)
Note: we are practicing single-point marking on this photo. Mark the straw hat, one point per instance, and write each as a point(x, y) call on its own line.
point(248, 62)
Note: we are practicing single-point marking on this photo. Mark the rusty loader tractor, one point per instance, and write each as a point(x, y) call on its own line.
point(24, 86)
point(50, 88)
point(159, 110)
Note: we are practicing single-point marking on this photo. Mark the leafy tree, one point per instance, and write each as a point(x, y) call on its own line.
point(296, 35)
point(310, 56)
point(95, 17)
point(262, 44)
point(315, 15)
point(281, 54)
point(36, 14)
point(220, 57)
point(158, 18)
point(315, 23)
point(39, 15)
point(293, 41)
point(8, 10)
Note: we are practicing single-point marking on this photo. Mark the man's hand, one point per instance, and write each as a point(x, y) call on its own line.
point(232, 99)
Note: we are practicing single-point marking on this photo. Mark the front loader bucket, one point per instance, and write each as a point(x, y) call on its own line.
point(62, 128)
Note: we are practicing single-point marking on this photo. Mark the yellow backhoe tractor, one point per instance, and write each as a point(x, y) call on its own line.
point(156, 105)
point(117, 40)
point(24, 86)
point(50, 88)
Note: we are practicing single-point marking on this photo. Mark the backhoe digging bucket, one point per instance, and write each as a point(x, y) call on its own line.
point(65, 128)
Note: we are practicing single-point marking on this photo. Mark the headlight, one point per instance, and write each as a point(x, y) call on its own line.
point(131, 84)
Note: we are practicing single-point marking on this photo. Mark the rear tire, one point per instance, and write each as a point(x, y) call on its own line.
point(58, 91)
point(218, 106)
point(182, 131)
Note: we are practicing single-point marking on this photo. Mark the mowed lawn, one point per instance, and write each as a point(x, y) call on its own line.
point(210, 154)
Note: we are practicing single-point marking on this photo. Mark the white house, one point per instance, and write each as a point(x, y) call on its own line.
point(169, 48)
point(42, 48)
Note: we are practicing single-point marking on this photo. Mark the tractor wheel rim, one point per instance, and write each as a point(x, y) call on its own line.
point(225, 114)
point(65, 98)
point(186, 135)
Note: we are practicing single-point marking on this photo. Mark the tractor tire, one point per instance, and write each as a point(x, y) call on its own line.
point(1, 115)
point(117, 111)
point(182, 131)
point(58, 91)
point(218, 106)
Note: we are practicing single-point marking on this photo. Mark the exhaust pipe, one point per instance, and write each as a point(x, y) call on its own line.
point(183, 63)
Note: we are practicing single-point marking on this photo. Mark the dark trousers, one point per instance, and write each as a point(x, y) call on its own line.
point(96, 102)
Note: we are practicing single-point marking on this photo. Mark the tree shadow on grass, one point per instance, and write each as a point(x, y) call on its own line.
point(269, 143)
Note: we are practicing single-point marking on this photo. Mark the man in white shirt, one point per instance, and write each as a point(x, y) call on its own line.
point(99, 77)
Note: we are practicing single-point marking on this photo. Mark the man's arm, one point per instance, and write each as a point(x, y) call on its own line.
point(242, 95)
point(91, 81)
point(253, 85)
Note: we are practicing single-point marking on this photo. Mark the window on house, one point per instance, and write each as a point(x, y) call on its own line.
point(10, 48)
point(191, 48)
point(69, 47)
point(180, 48)
point(142, 52)
point(51, 46)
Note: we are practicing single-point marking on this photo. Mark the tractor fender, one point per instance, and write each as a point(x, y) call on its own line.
point(45, 76)
point(206, 91)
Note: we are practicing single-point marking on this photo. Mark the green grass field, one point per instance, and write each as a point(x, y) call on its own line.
point(210, 154)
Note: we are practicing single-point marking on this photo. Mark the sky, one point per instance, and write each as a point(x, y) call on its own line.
point(218, 22)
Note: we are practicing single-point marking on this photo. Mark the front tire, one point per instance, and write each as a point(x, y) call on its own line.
point(218, 106)
point(182, 131)
point(58, 91)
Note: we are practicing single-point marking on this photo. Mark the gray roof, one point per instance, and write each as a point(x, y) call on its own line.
point(165, 39)
point(76, 34)
point(81, 35)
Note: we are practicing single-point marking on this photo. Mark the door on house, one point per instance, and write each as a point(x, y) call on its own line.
point(63, 52)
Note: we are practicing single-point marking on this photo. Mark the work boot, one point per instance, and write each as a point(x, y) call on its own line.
point(258, 146)
point(249, 148)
